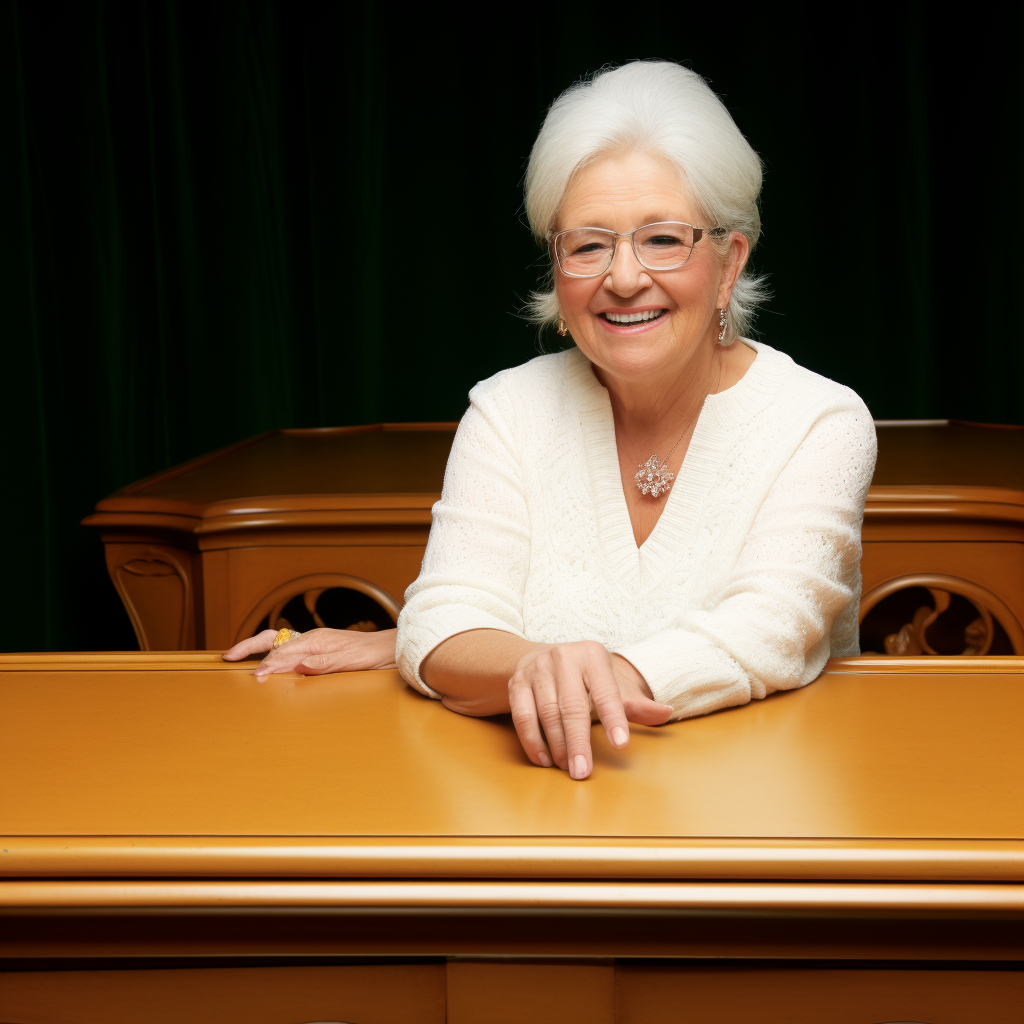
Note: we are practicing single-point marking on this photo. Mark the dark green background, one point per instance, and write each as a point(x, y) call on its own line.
point(197, 199)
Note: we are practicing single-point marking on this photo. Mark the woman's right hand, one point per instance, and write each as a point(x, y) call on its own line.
point(319, 651)
point(558, 689)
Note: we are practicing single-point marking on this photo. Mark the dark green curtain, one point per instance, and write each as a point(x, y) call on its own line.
point(196, 199)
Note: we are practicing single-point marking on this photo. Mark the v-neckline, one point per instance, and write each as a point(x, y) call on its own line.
point(640, 568)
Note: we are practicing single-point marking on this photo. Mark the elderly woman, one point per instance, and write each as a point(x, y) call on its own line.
point(665, 519)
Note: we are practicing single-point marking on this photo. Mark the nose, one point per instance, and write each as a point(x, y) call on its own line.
point(626, 275)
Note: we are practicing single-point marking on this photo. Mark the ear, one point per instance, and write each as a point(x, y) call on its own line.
point(739, 253)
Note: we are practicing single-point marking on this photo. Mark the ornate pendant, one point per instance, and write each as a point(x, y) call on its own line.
point(654, 478)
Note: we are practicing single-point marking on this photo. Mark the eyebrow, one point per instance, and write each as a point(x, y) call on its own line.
point(650, 220)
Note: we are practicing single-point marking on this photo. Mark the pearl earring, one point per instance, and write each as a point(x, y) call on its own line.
point(723, 321)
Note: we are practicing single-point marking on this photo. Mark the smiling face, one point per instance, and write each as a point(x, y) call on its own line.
point(633, 323)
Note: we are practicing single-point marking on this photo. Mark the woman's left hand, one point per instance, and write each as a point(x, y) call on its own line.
point(556, 693)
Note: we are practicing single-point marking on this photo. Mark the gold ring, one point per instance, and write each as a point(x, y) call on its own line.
point(284, 636)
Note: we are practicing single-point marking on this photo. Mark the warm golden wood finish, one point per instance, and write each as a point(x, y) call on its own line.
point(893, 754)
point(196, 551)
point(515, 857)
point(199, 553)
point(183, 768)
point(988, 899)
point(169, 806)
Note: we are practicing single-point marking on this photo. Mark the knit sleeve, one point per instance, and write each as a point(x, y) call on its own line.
point(475, 566)
point(769, 626)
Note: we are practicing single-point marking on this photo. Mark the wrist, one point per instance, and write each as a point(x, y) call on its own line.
point(534, 650)
point(385, 649)
point(628, 675)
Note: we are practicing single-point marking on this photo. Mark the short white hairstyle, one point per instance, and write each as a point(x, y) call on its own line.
point(666, 110)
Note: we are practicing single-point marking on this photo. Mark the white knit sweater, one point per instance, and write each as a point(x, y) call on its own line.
point(750, 579)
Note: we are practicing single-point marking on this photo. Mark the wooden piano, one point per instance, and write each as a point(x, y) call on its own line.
point(306, 527)
point(182, 843)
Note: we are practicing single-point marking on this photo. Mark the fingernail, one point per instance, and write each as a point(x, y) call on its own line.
point(579, 763)
point(619, 736)
point(260, 676)
point(545, 761)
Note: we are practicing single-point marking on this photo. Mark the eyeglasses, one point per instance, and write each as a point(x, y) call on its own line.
point(588, 252)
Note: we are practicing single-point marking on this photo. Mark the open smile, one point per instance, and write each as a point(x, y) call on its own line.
point(630, 321)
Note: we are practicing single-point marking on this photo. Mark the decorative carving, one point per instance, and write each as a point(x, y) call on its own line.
point(276, 619)
point(988, 622)
point(913, 637)
point(154, 583)
point(148, 567)
point(330, 600)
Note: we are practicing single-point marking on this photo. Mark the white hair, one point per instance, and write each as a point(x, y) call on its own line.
point(660, 108)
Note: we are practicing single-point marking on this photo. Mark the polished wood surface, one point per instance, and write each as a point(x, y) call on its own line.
point(363, 463)
point(209, 751)
point(517, 857)
point(945, 453)
point(185, 767)
point(201, 553)
point(359, 853)
point(392, 459)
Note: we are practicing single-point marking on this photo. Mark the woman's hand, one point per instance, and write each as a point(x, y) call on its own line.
point(556, 692)
point(320, 651)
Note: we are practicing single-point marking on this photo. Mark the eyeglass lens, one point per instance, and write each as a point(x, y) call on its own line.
point(587, 252)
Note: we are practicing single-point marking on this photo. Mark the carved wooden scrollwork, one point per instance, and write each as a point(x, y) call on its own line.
point(912, 637)
point(155, 586)
point(933, 605)
point(308, 601)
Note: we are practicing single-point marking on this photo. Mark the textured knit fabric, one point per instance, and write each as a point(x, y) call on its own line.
point(749, 581)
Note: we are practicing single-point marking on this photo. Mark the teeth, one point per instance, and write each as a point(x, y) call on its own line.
point(634, 318)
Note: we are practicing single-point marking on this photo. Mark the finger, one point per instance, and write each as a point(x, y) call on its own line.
point(254, 645)
point(287, 657)
point(644, 711)
point(605, 695)
point(524, 718)
point(574, 708)
point(335, 661)
point(317, 665)
point(541, 678)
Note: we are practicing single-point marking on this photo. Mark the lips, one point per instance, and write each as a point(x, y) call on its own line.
point(629, 317)
point(627, 322)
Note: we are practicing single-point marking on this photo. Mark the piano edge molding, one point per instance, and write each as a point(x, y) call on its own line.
point(879, 860)
point(859, 899)
point(883, 504)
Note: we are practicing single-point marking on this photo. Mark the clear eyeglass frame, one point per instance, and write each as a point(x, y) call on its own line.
point(698, 233)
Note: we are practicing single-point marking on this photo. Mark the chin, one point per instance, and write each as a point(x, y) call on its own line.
point(631, 358)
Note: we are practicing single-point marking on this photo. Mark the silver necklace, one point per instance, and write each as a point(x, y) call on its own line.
point(653, 476)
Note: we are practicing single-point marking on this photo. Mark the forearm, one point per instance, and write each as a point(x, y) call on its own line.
point(471, 670)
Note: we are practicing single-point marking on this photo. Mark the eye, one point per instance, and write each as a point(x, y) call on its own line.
point(588, 249)
point(663, 240)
